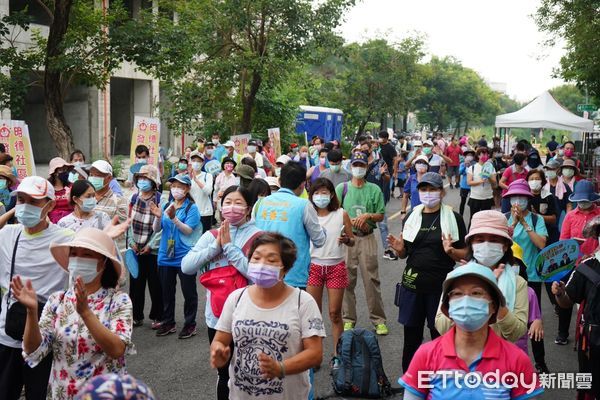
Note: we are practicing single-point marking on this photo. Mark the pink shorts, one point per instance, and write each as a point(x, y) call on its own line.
point(330, 276)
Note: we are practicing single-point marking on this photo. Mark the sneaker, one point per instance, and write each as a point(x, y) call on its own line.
point(390, 255)
point(348, 326)
point(165, 330)
point(381, 329)
point(542, 368)
point(155, 325)
point(138, 322)
point(187, 332)
point(560, 340)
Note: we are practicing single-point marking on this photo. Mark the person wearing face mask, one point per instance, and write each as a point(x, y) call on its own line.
point(294, 341)
point(224, 180)
point(313, 151)
point(559, 189)
point(500, 166)
point(58, 175)
point(32, 261)
point(77, 158)
point(269, 151)
point(421, 165)
point(465, 189)
point(481, 177)
point(585, 197)
point(219, 252)
point(302, 157)
point(106, 200)
point(253, 153)
point(518, 170)
point(425, 230)
point(279, 163)
point(202, 189)
point(220, 151)
point(569, 154)
point(179, 222)
point(335, 173)
point(7, 180)
point(328, 265)
point(366, 207)
point(142, 156)
point(489, 244)
point(472, 299)
point(209, 152)
point(543, 203)
point(143, 239)
point(84, 215)
point(91, 316)
point(315, 172)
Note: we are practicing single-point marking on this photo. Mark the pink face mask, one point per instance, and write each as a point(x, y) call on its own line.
point(234, 214)
point(484, 157)
point(177, 193)
point(569, 152)
point(229, 167)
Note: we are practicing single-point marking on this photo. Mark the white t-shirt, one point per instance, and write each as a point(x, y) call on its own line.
point(331, 253)
point(98, 220)
point(33, 261)
point(277, 332)
point(202, 196)
point(481, 192)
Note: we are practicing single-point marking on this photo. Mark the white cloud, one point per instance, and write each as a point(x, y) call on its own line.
point(497, 38)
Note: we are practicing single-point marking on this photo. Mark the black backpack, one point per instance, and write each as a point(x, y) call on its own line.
point(357, 371)
point(591, 307)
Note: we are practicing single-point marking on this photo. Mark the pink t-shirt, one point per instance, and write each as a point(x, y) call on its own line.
point(573, 225)
point(511, 175)
point(498, 357)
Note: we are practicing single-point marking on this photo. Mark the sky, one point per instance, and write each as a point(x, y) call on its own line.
point(497, 38)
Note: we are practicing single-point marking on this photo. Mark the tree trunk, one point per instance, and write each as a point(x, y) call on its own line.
point(53, 96)
point(466, 127)
point(394, 122)
point(248, 103)
point(405, 122)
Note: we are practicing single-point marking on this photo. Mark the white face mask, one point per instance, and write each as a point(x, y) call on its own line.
point(251, 149)
point(359, 172)
point(196, 165)
point(488, 253)
point(87, 268)
point(468, 159)
point(535, 185)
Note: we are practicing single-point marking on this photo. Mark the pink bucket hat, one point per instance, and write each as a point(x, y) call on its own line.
point(88, 238)
point(520, 187)
point(489, 221)
point(57, 163)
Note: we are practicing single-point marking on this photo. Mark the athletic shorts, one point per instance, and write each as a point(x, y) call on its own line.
point(330, 276)
point(453, 171)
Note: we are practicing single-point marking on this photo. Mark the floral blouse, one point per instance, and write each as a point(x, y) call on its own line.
point(76, 356)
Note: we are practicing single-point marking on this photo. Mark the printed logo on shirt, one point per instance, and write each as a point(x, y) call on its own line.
point(315, 323)
point(409, 278)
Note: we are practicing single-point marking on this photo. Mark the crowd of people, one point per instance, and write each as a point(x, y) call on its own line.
point(265, 236)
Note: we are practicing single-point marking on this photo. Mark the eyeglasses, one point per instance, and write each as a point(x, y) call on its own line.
point(476, 293)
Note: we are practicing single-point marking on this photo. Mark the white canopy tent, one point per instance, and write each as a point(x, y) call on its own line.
point(545, 112)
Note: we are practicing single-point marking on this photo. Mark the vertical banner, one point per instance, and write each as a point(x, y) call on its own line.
point(275, 138)
point(15, 137)
point(146, 131)
point(241, 143)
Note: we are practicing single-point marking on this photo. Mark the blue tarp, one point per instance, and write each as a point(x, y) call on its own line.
point(320, 121)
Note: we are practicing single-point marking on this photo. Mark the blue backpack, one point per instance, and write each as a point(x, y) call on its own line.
point(357, 371)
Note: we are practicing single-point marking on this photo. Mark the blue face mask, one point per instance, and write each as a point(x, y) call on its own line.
point(97, 182)
point(142, 161)
point(144, 185)
point(3, 184)
point(73, 176)
point(469, 313)
point(521, 202)
point(88, 205)
point(321, 200)
point(28, 215)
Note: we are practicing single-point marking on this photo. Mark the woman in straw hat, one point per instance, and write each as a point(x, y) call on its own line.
point(87, 327)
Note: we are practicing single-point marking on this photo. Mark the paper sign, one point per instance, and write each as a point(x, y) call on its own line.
point(213, 167)
point(241, 143)
point(557, 260)
point(15, 137)
point(146, 131)
point(275, 138)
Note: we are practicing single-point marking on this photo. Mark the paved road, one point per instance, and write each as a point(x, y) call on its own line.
point(179, 369)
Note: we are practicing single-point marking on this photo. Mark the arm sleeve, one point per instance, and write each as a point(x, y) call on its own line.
point(310, 317)
point(46, 324)
point(121, 320)
point(193, 218)
point(237, 257)
point(528, 385)
point(575, 287)
point(411, 381)
point(408, 185)
point(514, 324)
point(540, 226)
point(311, 223)
point(565, 231)
point(205, 250)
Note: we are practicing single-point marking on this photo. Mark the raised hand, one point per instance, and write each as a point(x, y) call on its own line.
point(396, 243)
point(155, 210)
point(170, 211)
point(25, 294)
point(225, 233)
point(447, 243)
point(82, 297)
point(116, 229)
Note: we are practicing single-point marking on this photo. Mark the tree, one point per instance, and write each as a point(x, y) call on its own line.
point(239, 46)
point(80, 49)
point(577, 23)
point(568, 96)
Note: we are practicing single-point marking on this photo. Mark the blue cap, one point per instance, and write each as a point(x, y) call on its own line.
point(183, 178)
point(472, 269)
point(359, 157)
point(584, 191)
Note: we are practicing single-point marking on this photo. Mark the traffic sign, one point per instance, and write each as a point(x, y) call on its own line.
point(586, 107)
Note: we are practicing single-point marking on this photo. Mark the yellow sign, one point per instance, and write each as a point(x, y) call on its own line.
point(241, 143)
point(15, 137)
point(146, 131)
point(275, 138)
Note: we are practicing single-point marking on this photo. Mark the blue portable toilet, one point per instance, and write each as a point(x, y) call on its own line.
point(320, 121)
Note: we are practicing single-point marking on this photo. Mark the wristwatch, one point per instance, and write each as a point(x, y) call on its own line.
point(528, 229)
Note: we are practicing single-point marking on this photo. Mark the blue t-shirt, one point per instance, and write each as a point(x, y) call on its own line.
point(188, 214)
point(411, 187)
point(462, 170)
point(402, 170)
point(530, 252)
